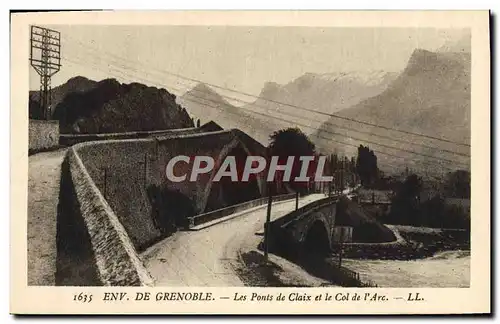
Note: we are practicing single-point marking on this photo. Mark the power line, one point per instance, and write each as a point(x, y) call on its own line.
point(358, 139)
point(431, 163)
point(341, 127)
point(132, 77)
point(442, 150)
point(285, 104)
point(45, 58)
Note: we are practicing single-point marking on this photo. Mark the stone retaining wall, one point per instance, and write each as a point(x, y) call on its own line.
point(112, 257)
point(43, 135)
point(72, 139)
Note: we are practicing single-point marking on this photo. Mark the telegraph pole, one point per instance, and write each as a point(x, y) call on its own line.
point(45, 58)
point(341, 249)
point(105, 182)
point(267, 225)
point(145, 169)
point(341, 179)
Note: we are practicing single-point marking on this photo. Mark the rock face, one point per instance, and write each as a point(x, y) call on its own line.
point(85, 106)
point(431, 96)
point(76, 84)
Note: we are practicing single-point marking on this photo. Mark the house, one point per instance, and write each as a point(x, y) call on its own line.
point(375, 202)
point(211, 126)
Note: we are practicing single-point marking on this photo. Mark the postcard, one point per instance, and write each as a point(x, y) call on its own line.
point(250, 162)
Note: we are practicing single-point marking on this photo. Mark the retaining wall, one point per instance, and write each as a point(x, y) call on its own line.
point(410, 243)
point(43, 135)
point(93, 246)
point(72, 139)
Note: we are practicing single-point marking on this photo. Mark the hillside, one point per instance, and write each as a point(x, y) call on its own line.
point(325, 92)
point(329, 93)
point(206, 104)
point(431, 96)
point(109, 106)
point(76, 84)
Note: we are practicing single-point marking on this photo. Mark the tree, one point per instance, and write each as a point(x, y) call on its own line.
point(457, 184)
point(352, 164)
point(335, 162)
point(432, 212)
point(292, 142)
point(366, 165)
point(405, 208)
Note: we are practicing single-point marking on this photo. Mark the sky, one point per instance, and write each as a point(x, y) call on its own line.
point(240, 58)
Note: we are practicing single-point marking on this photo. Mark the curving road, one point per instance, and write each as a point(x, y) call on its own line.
point(206, 257)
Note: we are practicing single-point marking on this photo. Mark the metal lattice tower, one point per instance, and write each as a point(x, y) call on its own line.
point(45, 57)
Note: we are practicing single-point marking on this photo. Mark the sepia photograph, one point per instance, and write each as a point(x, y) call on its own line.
point(219, 155)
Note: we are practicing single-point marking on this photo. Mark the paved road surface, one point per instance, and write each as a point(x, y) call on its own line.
point(204, 257)
point(43, 195)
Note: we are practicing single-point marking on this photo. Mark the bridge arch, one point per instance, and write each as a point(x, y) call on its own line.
point(316, 237)
point(233, 144)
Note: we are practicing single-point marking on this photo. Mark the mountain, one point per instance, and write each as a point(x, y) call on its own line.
point(431, 96)
point(57, 94)
point(109, 106)
point(324, 92)
point(461, 45)
point(329, 92)
point(204, 103)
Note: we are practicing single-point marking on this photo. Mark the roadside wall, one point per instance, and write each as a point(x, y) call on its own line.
point(72, 139)
point(219, 213)
point(43, 135)
point(104, 254)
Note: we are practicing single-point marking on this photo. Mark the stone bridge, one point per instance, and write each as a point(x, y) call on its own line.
point(106, 197)
point(130, 174)
point(309, 229)
point(317, 228)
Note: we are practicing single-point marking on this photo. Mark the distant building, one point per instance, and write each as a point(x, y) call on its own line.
point(211, 126)
point(374, 197)
point(376, 202)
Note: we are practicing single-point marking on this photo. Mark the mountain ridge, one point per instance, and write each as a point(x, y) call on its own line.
point(430, 96)
point(309, 90)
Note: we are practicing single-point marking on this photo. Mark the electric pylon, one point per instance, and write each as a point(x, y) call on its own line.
point(45, 57)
